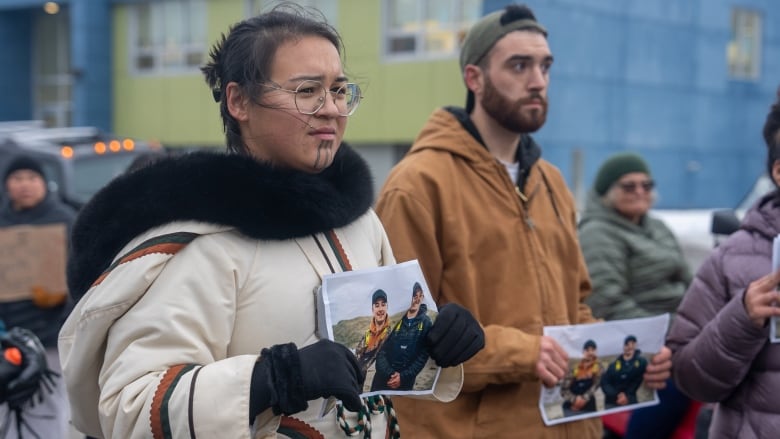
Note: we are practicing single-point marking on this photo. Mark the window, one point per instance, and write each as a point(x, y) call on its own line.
point(744, 49)
point(329, 8)
point(167, 36)
point(427, 28)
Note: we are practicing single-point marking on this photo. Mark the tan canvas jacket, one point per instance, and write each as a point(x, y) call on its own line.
point(511, 258)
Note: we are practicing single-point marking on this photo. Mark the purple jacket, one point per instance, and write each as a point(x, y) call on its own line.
point(718, 354)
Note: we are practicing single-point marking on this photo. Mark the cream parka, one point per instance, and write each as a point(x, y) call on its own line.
point(511, 258)
point(163, 344)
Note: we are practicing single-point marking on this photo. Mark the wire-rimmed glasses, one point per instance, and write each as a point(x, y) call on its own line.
point(310, 96)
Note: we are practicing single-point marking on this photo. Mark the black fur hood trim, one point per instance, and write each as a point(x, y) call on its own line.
point(261, 201)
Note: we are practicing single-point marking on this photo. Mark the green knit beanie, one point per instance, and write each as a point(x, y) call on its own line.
point(617, 166)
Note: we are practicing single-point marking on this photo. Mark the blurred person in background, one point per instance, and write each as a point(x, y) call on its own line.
point(197, 316)
point(28, 201)
point(720, 336)
point(494, 228)
point(636, 267)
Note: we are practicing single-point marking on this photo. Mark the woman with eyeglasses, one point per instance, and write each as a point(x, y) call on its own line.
point(196, 275)
point(636, 267)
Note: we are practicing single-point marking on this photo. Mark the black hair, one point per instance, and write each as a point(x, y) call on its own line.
point(772, 134)
point(513, 12)
point(246, 54)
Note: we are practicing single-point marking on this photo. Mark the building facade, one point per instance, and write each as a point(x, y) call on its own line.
point(686, 83)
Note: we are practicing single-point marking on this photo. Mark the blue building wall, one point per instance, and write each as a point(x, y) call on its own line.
point(15, 49)
point(652, 77)
point(90, 32)
point(91, 62)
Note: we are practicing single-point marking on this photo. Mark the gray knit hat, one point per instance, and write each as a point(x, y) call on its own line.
point(23, 162)
point(491, 28)
point(617, 166)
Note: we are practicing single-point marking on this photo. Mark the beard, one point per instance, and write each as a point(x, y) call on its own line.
point(510, 114)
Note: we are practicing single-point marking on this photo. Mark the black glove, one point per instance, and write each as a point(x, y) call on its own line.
point(35, 373)
point(10, 369)
point(455, 336)
point(285, 378)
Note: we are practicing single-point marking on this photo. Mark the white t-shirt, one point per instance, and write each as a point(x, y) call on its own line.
point(512, 169)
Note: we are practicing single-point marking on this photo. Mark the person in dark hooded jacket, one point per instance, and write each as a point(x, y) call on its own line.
point(27, 201)
point(624, 376)
point(404, 353)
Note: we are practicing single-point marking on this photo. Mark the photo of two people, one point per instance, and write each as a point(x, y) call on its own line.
point(607, 362)
point(383, 315)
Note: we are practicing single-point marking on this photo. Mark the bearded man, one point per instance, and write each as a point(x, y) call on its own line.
point(493, 226)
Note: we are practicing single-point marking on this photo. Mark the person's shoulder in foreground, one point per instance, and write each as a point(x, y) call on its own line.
point(721, 334)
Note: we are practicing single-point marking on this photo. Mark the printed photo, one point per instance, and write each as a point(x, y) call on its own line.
point(383, 315)
point(607, 362)
point(774, 336)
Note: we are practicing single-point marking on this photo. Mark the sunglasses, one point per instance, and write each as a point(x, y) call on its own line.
point(631, 186)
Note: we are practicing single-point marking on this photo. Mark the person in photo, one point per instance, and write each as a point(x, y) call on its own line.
point(580, 385)
point(624, 376)
point(377, 331)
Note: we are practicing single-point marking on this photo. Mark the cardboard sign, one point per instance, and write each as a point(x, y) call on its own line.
point(31, 256)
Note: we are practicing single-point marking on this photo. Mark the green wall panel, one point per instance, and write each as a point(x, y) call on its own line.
point(179, 110)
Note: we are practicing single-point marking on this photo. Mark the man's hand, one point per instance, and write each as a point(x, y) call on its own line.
point(395, 381)
point(659, 369)
point(578, 404)
point(761, 297)
point(553, 362)
point(622, 399)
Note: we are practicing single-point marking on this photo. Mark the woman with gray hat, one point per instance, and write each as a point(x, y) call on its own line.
point(636, 267)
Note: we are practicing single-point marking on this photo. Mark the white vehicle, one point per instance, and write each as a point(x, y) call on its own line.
point(698, 230)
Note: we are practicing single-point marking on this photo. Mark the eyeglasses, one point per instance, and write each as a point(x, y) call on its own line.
point(631, 186)
point(310, 96)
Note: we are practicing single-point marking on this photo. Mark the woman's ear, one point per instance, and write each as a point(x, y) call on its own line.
point(237, 103)
point(776, 172)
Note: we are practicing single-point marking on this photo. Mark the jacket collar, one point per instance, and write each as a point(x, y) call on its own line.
point(259, 200)
point(527, 154)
